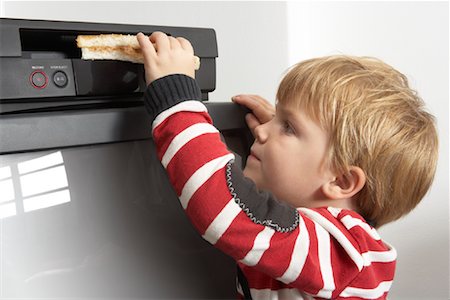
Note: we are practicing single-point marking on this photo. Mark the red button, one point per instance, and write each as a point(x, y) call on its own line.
point(38, 79)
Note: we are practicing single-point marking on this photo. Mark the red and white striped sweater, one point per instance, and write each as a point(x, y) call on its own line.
point(284, 253)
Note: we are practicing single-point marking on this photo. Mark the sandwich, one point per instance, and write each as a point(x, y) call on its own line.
point(114, 47)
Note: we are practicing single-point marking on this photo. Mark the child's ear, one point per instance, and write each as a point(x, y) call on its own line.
point(346, 185)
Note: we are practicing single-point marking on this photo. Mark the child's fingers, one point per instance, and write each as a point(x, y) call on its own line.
point(145, 44)
point(174, 43)
point(185, 44)
point(160, 41)
point(266, 105)
point(252, 101)
point(252, 122)
point(149, 54)
point(262, 109)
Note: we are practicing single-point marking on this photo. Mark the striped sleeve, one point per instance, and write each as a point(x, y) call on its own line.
point(325, 252)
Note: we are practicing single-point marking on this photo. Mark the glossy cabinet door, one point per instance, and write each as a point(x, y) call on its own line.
point(101, 221)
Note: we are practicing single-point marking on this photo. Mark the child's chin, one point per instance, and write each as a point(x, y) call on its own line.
point(249, 173)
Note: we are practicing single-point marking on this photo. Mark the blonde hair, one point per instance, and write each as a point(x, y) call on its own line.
point(375, 121)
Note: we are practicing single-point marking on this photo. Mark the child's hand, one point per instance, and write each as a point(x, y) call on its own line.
point(165, 55)
point(262, 110)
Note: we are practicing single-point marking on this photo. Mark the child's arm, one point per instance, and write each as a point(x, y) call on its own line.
point(306, 249)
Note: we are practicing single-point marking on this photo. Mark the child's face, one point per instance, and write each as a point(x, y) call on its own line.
point(287, 158)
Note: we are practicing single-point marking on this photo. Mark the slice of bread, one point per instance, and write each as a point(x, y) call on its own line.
point(114, 46)
point(107, 40)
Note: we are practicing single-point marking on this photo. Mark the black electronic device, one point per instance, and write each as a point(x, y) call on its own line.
point(41, 59)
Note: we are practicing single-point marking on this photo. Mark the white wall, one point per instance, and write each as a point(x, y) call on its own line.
point(259, 40)
point(414, 38)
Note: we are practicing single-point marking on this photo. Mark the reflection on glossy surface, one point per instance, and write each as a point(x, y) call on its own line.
point(101, 222)
point(46, 200)
point(38, 183)
point(7, 194)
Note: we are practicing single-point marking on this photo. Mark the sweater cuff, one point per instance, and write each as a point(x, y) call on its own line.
point(168, 91)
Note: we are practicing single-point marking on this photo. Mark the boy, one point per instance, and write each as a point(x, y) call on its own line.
point(347, 139)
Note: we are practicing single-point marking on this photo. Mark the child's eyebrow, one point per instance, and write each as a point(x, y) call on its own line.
point(292, 116)
point(284, 110)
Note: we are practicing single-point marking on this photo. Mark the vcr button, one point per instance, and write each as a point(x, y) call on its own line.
point(38, 79)
point(60, 79)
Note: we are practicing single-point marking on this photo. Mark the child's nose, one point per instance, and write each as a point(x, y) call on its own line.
point(261, 133)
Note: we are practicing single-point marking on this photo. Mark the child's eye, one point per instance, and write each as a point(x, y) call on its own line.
point(287, 128)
